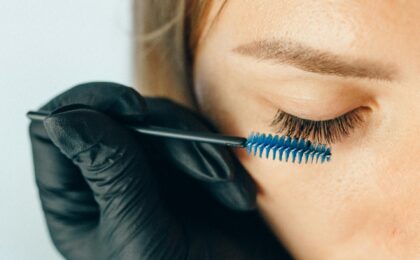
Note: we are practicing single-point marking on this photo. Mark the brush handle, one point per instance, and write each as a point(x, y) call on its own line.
point(170, 132)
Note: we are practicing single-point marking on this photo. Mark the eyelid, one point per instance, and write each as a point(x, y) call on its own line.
point(325, 131)
point(321, 108)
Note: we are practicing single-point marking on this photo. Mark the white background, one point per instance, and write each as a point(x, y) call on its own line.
point(46, 47)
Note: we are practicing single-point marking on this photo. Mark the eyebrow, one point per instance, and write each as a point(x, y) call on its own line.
point(313, 60)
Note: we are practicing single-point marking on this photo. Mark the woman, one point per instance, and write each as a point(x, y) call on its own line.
point(342, 73)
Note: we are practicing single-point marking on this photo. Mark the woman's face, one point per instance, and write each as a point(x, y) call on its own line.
point(318, 60)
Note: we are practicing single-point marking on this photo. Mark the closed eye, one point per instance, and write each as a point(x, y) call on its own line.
point(326, 131)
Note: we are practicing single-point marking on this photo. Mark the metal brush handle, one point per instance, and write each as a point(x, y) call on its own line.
point(213, 138)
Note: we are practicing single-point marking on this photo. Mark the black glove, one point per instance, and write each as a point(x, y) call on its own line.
point(111, 193)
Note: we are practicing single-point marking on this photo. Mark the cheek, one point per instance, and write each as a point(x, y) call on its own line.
point(362, 192)
point(339, 200)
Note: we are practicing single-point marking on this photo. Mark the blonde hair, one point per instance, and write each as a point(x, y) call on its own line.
point(167, 33)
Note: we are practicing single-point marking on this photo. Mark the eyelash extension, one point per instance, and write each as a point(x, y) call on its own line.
point(327, 131)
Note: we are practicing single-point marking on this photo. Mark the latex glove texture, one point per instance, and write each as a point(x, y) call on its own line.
point(108, 192)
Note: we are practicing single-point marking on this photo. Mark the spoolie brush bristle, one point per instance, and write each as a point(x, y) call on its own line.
point(287, 148)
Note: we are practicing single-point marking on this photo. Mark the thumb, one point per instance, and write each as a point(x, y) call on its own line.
point(112, 161)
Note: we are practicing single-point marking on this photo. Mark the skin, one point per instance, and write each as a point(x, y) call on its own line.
point(364, 203)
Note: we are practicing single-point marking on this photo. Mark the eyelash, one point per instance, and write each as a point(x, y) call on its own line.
point(327, 131)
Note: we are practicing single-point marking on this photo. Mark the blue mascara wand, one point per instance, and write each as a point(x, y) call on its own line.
point(284, 148)
point(287, 147)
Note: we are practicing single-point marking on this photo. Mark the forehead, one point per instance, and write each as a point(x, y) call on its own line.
point(380, 30)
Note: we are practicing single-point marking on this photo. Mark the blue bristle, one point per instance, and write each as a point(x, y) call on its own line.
point(286, 153)
point(287, 148)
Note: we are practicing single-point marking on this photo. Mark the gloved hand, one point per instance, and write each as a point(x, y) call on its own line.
point(111, 193)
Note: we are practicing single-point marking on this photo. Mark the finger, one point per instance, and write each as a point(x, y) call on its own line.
point(113, 99)
point(114, 164)
point(214, 165)
point(67, 201)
